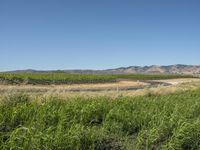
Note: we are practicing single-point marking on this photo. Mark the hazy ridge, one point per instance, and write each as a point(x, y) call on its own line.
point(154, 69)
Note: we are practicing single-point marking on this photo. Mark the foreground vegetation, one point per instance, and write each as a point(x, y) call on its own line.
point(146, 122)
point(63, 78)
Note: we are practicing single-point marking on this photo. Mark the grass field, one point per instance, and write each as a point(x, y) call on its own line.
point(111, 90)
point(62, 78)
point(146, 122)
point(65, 111)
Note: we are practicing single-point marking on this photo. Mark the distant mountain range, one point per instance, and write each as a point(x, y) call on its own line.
point(154, 69)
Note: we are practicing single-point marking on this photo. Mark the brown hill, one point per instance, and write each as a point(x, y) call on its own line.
point(154, 69)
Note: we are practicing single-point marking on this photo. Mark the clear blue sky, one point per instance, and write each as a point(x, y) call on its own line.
point(98, 34)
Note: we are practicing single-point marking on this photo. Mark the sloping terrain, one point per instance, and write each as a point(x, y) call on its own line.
point(172, 69)
point(154, 69)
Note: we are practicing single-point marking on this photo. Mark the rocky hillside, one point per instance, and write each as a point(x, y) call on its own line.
point(172, 69)
point(154, 69)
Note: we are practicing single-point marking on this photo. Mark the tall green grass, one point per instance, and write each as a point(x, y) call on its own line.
point(148, 122)
point(63, 78)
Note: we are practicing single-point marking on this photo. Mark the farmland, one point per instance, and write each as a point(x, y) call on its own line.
point(99, 75)
point(117, 112)
point(62, 78)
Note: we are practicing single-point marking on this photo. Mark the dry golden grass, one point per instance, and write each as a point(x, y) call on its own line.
point(74, 87)
point(179, 81)
point(106, 89)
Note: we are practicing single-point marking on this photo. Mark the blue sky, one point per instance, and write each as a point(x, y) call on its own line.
point(98, 34)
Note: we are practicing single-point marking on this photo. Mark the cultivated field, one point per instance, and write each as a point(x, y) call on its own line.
point(62, 78)
point(99, 112)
